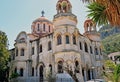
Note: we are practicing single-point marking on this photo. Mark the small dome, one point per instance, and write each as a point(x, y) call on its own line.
point(42, 19)
point(42, 25)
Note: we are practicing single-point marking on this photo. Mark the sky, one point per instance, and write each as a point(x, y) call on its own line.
point(18, 15)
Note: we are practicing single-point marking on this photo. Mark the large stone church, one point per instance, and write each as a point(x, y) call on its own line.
point(53, 47)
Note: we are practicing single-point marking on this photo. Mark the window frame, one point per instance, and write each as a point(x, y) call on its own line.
point(74, 40)
point(80, 45)
point(22, 52)
point(40, 50)
point(44, 27)
point(59, 39)
point(16, 52)
point(21, 72)
point(67, 39)
point(49, 46)
point(33, 50)
point(86, 47)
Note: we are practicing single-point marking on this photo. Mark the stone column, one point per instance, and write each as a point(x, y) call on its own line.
point(91, 76)
point(56, 68)
point(28, 69)
point(85, 76)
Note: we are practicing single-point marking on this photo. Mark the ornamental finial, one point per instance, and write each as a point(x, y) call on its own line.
point(42, 13)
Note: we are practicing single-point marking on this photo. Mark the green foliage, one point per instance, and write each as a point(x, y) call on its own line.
point(97, 13)
point(111, 44)
point(4, 55)
point(64, 4)
point(14, 75)
point(50, 78)
point(111, 71)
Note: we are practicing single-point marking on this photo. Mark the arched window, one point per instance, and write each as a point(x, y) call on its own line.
point(33, 50)
point(74, 39)
point(21, 72)
point(49, 45)
point(86, 47)
point(49, 28)
point(40, 48)
point(60, 67)
point(16, 52)
point(100, 51)
point(32, 71)
point(41, 69)
point(15, 71)
point(96, 51)
point(38, 27)
point(43, 27)
point(76, 66)
point(22, 52)
point(50, 66)
point(91, 51)
point(67, 39)
point(80, 44)
point(59, 40)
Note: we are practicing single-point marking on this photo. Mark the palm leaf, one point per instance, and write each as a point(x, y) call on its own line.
point(97, 13)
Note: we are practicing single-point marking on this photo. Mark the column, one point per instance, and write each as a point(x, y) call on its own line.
point(85, 76)
point(91, 75)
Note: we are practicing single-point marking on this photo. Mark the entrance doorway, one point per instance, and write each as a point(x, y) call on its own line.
point(60, 67)
point(41, 72)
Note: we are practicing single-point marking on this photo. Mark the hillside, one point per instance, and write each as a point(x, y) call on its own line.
point(108, 30)
point(111, 43)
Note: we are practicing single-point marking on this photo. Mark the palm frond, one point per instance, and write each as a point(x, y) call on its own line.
point(97, 13)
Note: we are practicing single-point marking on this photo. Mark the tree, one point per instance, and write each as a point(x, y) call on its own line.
point(111, 71)
point(111, 10)
point(4, 55)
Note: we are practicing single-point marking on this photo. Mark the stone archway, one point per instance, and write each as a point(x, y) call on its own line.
point(77, 67)
point(60, 67)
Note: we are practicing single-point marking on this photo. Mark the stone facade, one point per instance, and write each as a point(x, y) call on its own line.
point(57, 46)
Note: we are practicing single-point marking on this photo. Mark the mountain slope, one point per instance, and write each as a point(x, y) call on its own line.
point(111, 43)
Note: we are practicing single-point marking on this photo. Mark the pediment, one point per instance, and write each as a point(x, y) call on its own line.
point(22, 37)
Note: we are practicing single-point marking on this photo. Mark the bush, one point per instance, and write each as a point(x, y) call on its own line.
point(14, 75)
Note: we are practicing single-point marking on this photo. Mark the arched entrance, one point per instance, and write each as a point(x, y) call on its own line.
point(76, 67)
point(89, 74)
point(50, 67)
point(41, 69)
point(60, 67)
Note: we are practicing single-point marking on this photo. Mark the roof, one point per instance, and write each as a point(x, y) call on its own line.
point(114, 54)
point(42, 19)
point(64, 77)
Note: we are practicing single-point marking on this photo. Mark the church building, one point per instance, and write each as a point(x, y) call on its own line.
point(54, 47)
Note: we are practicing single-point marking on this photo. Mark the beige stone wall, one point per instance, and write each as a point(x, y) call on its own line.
point(68, 53)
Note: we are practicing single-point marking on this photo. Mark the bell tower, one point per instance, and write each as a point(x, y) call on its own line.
point(64, 14)
point(90, 30)
point(63, 6)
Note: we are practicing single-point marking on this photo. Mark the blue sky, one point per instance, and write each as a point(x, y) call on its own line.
point(18, 15)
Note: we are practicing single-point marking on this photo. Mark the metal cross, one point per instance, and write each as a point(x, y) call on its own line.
point(42, 13)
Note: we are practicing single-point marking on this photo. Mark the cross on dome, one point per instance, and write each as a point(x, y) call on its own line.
point(42, 12)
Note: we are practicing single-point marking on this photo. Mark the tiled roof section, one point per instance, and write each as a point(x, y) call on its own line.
point(38, 35)
point(32, 36)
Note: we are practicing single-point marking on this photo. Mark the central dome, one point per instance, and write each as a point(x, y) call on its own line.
point(42, 25)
